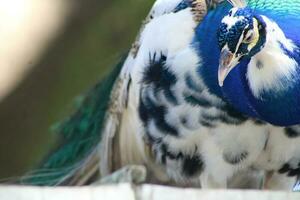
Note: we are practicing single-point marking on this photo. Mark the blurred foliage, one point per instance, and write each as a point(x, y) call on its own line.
point(96, 35)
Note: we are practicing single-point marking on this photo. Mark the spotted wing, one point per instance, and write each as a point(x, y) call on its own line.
point(121, 142)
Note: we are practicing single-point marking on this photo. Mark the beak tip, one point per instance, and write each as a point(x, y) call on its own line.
point(221, 76)
point(221, 83)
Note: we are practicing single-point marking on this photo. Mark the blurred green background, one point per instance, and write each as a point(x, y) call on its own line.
point(95, 35)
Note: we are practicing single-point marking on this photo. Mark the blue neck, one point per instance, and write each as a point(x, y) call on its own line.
point(282, 107)
point(207, 48)
point(277, 108)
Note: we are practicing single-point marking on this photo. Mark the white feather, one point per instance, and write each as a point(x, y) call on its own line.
point(276, 64)
point(163, 7)
point(231, 21)
point(122, 138)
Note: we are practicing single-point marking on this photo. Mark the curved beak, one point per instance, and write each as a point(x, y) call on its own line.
point(227, 62)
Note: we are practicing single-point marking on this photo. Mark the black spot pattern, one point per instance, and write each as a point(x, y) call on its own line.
point(229, 117)
point(143, 112)
point(166, 153)
point(197, 101)
point(233, 158)
point(128, 88)
point(149, 110)
point(232, 116)
point(259, 122)
point(158, 81)
point(284, 169)
point(183, 120)
point(291, 133)
point(192, 165)
point(289, 170)
point(164, 150)
point(158, 76)
point(192, 85)
point(206, 123)
point(170, 96)
point(259, 64)
point(266, 141)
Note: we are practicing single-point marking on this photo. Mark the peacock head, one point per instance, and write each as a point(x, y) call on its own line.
point(242, 34)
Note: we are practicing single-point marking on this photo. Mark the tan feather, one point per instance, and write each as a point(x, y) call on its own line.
point(238, 3)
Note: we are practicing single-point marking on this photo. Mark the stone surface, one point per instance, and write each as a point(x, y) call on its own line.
point(129, 192)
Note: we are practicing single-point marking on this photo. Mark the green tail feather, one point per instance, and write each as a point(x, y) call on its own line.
point(78, 135)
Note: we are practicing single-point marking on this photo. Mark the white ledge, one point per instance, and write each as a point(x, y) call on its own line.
point(129, 192)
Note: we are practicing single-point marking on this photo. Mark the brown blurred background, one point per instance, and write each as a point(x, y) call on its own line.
point(50, 52)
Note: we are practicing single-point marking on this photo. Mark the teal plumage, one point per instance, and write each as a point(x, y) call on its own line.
point(285, 13)
point(286, 8)
point(78, 135)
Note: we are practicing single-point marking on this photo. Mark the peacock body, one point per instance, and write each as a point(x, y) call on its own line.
point(171, 109)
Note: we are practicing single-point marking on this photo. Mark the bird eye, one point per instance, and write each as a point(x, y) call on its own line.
point(249, 37)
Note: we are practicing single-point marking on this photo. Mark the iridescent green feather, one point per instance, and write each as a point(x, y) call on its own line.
point(281, 8)
point(78, 136)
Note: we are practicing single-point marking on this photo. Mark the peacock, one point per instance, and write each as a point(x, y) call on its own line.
point(194, 101)
point(261, 46)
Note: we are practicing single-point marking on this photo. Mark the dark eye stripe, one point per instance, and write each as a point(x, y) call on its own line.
point(249, 38)
point(246, 32)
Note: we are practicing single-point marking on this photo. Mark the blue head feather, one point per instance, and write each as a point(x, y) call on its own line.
point(232, 34)
point(206, 43)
